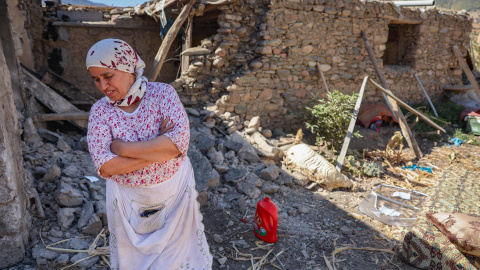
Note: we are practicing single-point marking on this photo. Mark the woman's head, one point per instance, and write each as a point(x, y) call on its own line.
point(117, 71)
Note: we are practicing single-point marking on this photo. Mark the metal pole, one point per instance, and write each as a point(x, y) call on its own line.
point(425, 92)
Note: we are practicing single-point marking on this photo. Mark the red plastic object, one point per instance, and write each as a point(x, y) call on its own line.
point(266, 221)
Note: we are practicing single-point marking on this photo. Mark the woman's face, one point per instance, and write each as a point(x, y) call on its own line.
point(113, 83)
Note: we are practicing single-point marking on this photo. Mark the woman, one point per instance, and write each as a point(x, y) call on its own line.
point(153, 216)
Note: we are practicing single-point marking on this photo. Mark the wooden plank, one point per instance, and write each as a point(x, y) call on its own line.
point(405, 105)
point(187, 44)
point(66, 88)
point(426, 95)
point(61, 116)
point(50, 98)
point(407, 133)
point(106, 25)
point(351, 126)
point(465, 68)
point(458, 87)
point(167, 42)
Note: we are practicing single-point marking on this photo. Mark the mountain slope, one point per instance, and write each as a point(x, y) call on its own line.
point(458, 4)
point(82, 3)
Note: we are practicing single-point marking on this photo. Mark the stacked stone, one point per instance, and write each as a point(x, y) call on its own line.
point(264, 58)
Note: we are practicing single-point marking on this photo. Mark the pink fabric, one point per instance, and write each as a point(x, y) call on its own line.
point(107, 123)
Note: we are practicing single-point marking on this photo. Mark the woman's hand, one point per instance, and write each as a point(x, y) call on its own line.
point(166, 128)
point(117, 145)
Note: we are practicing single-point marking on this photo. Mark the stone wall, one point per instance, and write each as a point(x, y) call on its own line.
point(265, 55)
point(14, 218)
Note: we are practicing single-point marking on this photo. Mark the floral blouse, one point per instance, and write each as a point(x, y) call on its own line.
point(107, 123)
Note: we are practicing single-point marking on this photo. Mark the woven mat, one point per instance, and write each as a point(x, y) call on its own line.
point(424, 246)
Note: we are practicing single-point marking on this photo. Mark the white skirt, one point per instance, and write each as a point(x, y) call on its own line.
point(157, 227)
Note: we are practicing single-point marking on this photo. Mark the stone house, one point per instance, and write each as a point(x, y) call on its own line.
point(259, 58)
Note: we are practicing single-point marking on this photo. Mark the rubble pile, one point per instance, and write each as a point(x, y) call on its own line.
point(229, 166)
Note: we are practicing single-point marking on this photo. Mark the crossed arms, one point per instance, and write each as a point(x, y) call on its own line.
point(133, 156)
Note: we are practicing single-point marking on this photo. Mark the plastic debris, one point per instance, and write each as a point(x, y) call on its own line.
point(414, 166)
point(389, 212)
point(457, 141)
point(92, 178)
point(381, 205)
point(403, 195)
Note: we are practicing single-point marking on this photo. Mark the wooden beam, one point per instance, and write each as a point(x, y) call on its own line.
point(351, 126)
point(426, 95)
point(187, 44)
point(465, 68)
point(61, 116)
point(66, 88)
point(407, 133)
point(50, 98)
point(167, 42)
point(406, 106)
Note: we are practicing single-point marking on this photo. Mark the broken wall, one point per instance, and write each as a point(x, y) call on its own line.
point(264, 56)
point(269, 67)
point(64, 44)
point(14, 218)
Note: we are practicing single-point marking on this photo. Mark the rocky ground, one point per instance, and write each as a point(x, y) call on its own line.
point(236, 164)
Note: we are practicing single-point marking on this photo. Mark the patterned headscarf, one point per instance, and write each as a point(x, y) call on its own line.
point(117, 54)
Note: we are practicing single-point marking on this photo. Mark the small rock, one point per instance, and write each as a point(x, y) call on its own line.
point(229, 144)
point(270, 188)
point(254, 122)
point(93, 227)
point(222, 260)
point(65, 217)
point(192, 111)
point(63, 259)
point(346, 230)
point(217, 238)
point(202, 198)
point(302, 209)
point(71, 171)
point(78, 243)
point(221, 168)
point(267, 133)
point(250, 130)
point(85, 263)
point(292, 212)
point(52, 174)
point(67, 195)
point(63, 146)
point(270, 173)
point(249, 155)
point(235, 175)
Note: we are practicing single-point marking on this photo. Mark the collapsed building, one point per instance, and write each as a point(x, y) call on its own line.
point(250, 58)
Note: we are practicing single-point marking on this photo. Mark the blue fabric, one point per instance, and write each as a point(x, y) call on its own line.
point(457, 141)
point(414, 166)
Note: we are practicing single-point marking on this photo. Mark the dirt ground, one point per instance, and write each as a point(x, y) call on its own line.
point(313, 223)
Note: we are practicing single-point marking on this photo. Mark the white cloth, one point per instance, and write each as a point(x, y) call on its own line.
point(172, 238)
point(119, 55)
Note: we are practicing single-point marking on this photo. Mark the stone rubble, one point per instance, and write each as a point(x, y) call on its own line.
point(227, 168)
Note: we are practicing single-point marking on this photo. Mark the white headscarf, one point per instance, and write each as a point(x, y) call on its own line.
point(117, 54)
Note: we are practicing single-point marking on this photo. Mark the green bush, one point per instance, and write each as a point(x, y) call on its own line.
point(328, 119)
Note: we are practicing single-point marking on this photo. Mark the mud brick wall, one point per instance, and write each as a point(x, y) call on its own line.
point(264, 56)
point(14, 218)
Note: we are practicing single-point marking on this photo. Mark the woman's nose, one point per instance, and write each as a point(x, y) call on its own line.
point(103, 84)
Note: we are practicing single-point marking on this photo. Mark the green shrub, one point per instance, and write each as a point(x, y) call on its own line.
point(328, 119)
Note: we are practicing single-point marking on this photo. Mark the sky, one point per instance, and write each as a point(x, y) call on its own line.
point(120, 3)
